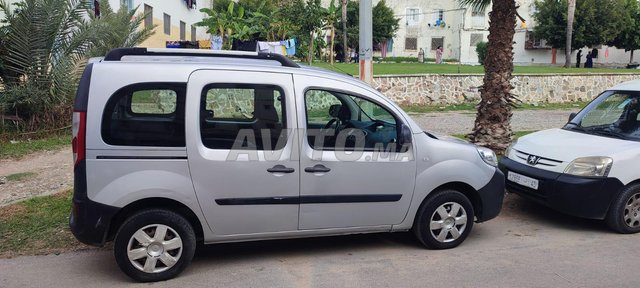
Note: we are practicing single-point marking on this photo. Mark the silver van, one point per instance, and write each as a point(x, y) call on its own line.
point(176, 147)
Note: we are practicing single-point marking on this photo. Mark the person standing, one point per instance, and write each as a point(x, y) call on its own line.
point(578, 58)
point(589, 62)
point(439, 55)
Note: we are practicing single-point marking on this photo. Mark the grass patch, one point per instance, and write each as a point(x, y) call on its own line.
point(20, 176)
point(472, 107)
point(24, 147)
point(37, 226)
point(430, 68)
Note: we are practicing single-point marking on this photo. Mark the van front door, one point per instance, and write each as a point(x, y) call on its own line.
point(240, 152)
point(353, 172)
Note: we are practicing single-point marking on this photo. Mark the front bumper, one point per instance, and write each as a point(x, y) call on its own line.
point(586, 197)
point(491, 197)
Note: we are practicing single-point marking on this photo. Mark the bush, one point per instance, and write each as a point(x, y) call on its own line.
point(481, 49)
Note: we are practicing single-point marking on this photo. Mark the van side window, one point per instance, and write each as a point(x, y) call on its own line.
point(339, 121)
point(243, 116)
point(145, 114)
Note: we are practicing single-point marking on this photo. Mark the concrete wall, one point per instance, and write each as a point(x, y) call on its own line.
point(459, 88)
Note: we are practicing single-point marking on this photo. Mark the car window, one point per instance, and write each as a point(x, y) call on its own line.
point(242, 116)
point(145, 114)
point(340, 121)
point(614, 114)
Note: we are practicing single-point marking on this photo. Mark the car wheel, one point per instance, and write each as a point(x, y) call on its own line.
point(154, 245)
point(624, 213)
point(444, 220)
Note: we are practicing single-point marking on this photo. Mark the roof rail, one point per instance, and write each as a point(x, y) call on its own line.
point(117, 54)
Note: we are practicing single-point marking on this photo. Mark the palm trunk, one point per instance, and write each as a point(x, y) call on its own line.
point(311, 48)
point(571, 11)
point(492, 128)
point(345, 51)
point(333, 36)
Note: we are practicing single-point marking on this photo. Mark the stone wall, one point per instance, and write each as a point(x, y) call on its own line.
point(433, 89)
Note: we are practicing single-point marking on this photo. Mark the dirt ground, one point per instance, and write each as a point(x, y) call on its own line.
point(53, 173)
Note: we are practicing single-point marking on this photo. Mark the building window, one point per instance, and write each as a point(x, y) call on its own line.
point(474, 39)
point(411, 43)
point(477, 17)
point(148, 16)
point(167, 24)
point(437, 42)
point(127, 3)
point(183, 31)
point(193, 33)
point(413, 16)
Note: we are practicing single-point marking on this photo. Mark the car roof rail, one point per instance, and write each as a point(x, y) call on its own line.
point(117, 54)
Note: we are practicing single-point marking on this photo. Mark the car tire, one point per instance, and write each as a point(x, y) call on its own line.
point(624, 213)
point(444, 220)
point(147, 256)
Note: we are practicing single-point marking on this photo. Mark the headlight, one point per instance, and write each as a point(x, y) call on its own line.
point(488, 156)
point(510, 149)
point(590, 166)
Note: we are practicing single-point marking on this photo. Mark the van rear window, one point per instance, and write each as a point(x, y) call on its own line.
point(145, 114)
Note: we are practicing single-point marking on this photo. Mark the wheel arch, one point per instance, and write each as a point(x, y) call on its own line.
point(157, 203)
point(464, 188)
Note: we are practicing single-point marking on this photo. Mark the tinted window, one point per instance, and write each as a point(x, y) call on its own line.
point(243, 116)
point(149, 114)
point(338, 121)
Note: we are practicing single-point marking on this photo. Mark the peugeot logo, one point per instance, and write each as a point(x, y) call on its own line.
point(533, 160)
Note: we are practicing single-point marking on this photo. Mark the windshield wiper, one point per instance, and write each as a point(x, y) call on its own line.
point(608, 133)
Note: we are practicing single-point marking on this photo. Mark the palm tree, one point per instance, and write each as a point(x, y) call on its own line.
point(118, 29)
point(44, 47)
point(492, 125)
point(571, 11)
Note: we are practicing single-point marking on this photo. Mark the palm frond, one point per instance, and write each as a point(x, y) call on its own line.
point(477, 5)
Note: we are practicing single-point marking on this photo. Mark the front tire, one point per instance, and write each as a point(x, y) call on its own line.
point(154, 245)
point(444, 220)
point(624, 213)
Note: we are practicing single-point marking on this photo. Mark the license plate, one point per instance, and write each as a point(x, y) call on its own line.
point(523, 180)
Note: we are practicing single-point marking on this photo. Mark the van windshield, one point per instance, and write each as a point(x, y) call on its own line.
point(613, 114)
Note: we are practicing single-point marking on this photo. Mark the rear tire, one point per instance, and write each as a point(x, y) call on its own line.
point(624, 213)
point(154, 245)
point(444, 220)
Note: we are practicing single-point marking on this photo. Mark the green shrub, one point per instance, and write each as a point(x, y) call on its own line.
point(481, 49)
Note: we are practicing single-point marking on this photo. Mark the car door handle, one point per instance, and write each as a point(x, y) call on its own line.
point(317, 169)
point(280, 169)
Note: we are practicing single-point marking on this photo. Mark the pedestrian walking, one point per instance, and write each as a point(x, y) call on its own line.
point(439, 55)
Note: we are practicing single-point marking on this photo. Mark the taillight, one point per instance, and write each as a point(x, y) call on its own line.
point(79, 136)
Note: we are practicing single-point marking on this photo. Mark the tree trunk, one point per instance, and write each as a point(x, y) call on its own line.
point(492, 128)
point(571, 11)
point(631, 57)
point(333, 36)
point(311, 48)
point(345, 55)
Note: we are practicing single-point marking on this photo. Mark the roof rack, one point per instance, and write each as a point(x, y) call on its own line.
point(118, 53)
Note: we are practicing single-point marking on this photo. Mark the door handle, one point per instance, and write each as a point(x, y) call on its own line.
point(280, 169)
point(319, 168)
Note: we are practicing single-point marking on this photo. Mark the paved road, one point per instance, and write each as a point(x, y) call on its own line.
point(526, 246)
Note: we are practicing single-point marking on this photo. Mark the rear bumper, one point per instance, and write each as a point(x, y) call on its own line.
point(491, 197)
point(586, 197)
point(89, 220)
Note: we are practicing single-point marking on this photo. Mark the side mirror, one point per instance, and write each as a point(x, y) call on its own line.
point(572, 115)
point(405, 137)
